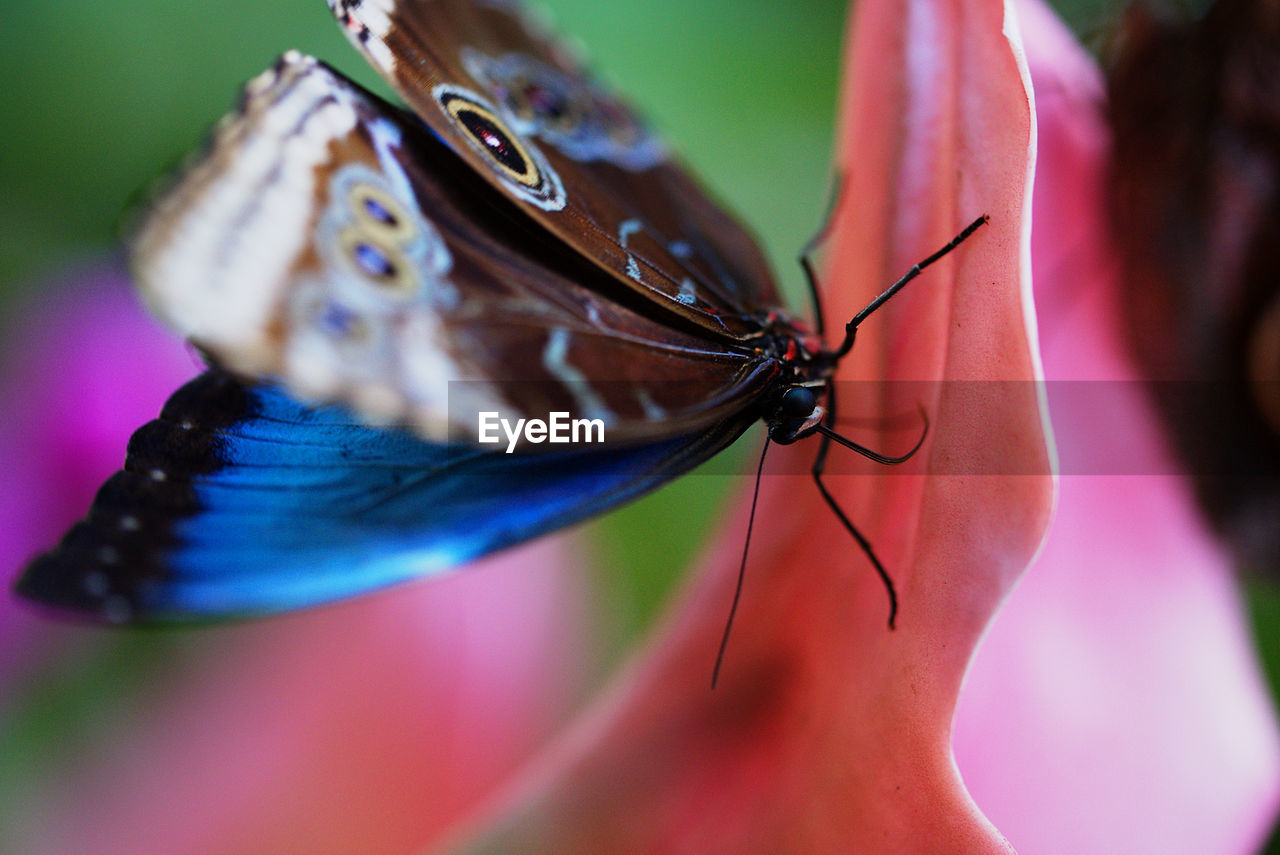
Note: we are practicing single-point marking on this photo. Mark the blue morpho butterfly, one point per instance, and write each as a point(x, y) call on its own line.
point(516, 241)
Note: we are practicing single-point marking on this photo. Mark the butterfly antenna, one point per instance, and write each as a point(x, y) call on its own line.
point(851, 328)
point(742, 569)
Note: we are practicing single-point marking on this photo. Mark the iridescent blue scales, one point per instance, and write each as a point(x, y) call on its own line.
point(240, 501)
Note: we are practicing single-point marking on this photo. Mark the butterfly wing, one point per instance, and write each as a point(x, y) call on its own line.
point(331, 246)
point(522, 112)
point(239, 501)
point(328, 240)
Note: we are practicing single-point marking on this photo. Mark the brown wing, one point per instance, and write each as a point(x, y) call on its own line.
point(522, 113)
point(328, 240)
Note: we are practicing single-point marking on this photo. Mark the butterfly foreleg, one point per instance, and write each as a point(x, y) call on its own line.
point(819, 467)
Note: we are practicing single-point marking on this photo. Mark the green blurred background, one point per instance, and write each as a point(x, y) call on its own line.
point(101, 98)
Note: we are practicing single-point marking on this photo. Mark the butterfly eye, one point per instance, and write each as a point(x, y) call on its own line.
point(381, 212)
point(797, 403)
point(378, 260)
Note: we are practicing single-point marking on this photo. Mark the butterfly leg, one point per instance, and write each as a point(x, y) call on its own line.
point(812, 244)
point(819, 466)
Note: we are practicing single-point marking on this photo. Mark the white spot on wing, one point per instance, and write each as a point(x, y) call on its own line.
point(652, 411)
point(367, 25)
point(681, 249)
point(555, 360)
point(688, 292)
point(96, 583)
point(376, 15)
point(625, 230)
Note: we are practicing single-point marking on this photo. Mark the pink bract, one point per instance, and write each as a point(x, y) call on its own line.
point(830, 733)
point(1116, 705)
point(82, 365)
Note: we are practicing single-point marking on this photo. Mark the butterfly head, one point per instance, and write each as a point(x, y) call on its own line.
point(794, 410)
point(796, 415)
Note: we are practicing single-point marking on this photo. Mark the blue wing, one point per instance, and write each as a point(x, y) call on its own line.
point(240, 501)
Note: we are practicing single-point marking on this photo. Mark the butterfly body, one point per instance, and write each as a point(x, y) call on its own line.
point(367, 281)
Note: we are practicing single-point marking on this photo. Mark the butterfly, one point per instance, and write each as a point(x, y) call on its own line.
point(367, 281)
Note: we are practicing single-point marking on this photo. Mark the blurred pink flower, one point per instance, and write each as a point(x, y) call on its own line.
point(371, 726)
point(1116, 705)
point(82, 365)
